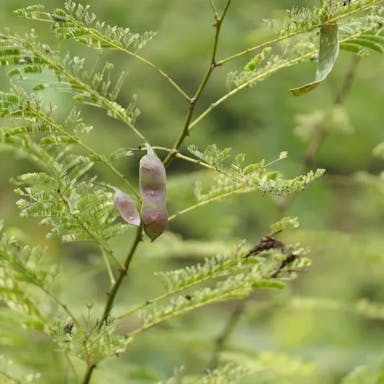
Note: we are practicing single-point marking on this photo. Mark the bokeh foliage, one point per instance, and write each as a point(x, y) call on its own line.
point(319, 328)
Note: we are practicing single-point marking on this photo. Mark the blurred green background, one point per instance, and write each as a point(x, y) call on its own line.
point(341, 216)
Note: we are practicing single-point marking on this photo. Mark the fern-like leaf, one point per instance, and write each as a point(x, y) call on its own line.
point(79, 23)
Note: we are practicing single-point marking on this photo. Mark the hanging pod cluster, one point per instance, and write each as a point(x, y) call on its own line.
point(154, 215)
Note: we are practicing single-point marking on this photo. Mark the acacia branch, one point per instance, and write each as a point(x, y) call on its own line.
point(49, 121)
point(106, 103)
point(143, 60)
point(193, 101)
point(287, 36)
point(260, 76)
point(112, 295)
point(122, 273)
point(101, 37)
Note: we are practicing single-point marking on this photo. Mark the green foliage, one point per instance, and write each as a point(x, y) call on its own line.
point(359, 35)
point(67, 187)
point(236, 177)
point(22, 268)
point(229, 373)
point(8, 376)
point(366, 374)
point(79, 23)
point(379, 150)
point(334, 120)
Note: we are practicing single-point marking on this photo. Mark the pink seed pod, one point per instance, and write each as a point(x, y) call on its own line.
point(126, 207)
point(153, 193)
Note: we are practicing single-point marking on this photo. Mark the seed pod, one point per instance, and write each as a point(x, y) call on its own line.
point(126, 207)
point(153, 193)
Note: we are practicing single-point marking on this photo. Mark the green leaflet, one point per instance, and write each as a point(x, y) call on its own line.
point(329, 50)
point(371, 40)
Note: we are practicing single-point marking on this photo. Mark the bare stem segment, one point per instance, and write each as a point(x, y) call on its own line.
point(193, 101)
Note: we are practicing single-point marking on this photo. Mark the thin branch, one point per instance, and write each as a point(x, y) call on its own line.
point(179, 312)
point(214, 9)
point(154, 66)
point(289, 35)
point(236, 315)
point(193, 101)
point(61, 304)
point(242, 189)
point(100, 36)
point(123, 272)
point(189, 159)
point(256, 78)
point(169, 293)
point(274, 275)
point(108, 104)
point(88, 374)
point(112, 295)
point(227, 331)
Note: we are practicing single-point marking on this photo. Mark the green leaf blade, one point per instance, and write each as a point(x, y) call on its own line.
point(328, 53)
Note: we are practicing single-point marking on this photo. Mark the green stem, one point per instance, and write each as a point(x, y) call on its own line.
point(179, 312)
point(158, 69)
point(115, 45)
point(189, 159)
point(87, 230)
point(227, 331)
point(109, 105)
point(88, 374)
point(177, 290)
point(49, 121)
point(214, 9)
point(258, 77)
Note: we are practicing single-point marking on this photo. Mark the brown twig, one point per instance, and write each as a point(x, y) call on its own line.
point(112, 295)
point(193, 100)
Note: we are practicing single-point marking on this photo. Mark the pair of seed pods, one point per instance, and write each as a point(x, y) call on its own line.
point(154, 215)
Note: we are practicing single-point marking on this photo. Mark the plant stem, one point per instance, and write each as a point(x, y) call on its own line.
point(292, 34)
point(111, 106)
point(193, 101)
point(252, 80)
point(142, 59)
point(214, 9)
point(88, 374)
point(112, 295)
point(122, 273)
point(229, 327)
point(189, 159)
point(241, 189)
